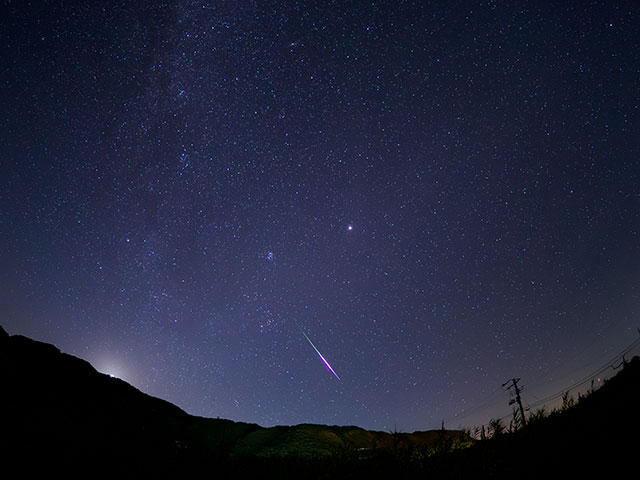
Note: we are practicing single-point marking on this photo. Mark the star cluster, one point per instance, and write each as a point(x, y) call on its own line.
point(443, 195)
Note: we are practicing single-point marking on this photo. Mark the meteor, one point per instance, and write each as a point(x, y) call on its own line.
point(318, 352)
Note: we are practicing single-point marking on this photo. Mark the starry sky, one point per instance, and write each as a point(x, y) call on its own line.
point(441, 195)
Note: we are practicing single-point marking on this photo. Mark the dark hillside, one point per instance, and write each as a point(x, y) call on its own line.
point(60, 415)
point(58, 412)
point(597, 435)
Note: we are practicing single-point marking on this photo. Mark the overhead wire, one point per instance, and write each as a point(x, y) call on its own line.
point(483, 403)
point(598, 372)
point(589, 377)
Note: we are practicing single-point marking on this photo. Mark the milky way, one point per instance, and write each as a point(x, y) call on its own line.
point(444, 194)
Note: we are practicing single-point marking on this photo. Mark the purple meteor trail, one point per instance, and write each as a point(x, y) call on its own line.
point(318, 352)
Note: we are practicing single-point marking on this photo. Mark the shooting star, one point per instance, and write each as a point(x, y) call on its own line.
point(318, 352)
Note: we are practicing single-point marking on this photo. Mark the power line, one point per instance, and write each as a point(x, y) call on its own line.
point(483, 403)
point(540, 377)
point(513, 383)
point(574, 385)
point(589, 377)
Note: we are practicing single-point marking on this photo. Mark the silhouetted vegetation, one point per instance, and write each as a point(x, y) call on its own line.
point(60, 415)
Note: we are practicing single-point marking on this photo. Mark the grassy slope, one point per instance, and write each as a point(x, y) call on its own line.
point(598, 435)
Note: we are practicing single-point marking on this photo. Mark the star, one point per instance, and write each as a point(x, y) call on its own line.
point(206, 140)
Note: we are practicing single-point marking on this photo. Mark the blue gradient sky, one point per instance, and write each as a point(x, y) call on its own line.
point(443, 195)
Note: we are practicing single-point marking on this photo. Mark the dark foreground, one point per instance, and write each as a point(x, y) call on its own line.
point(60, 416)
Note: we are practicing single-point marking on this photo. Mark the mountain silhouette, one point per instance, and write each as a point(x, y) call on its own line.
point(60, 414)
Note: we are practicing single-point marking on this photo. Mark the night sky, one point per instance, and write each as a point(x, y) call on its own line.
point(440, 195)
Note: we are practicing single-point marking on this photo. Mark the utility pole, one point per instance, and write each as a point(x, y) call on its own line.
point(513, 383)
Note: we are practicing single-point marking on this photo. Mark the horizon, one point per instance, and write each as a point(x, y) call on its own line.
point(548, 405)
